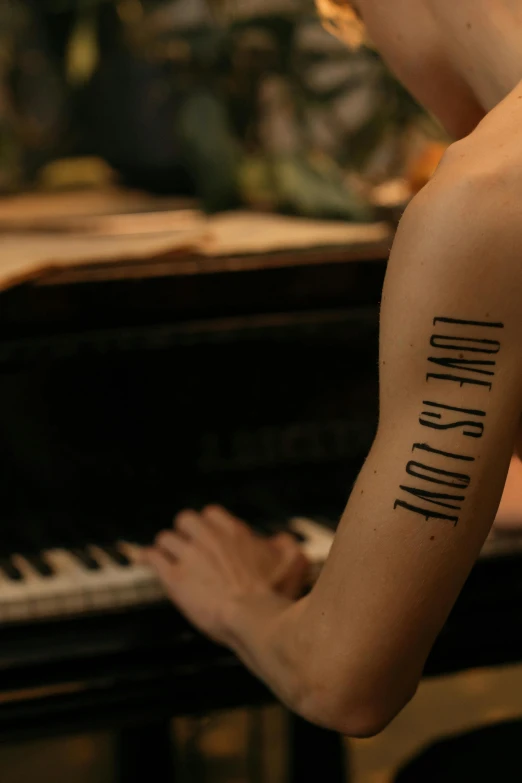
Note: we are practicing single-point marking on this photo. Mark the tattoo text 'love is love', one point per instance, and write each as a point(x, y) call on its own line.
point(463, 354)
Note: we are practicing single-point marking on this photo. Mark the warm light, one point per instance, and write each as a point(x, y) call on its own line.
point(341, 20)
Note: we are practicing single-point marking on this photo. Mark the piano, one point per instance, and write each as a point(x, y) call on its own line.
point(129, 393)
point(73, 580)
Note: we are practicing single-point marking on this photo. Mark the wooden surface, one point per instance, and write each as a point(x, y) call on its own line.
point(82, 237)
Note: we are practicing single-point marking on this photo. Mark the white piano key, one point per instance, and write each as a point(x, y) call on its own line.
point(39, 592)
point(149, 586)
point(14, 604)
point(99, 584)
point(25, 591)
point(120, 581)
point(133, 551)
point(74, 589)
point(55, 595)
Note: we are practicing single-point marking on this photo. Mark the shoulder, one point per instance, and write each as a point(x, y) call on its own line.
point(490, 157)
point(475, 196)
point(459, 240)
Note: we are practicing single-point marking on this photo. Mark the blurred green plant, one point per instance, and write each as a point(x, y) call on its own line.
point(236, 104)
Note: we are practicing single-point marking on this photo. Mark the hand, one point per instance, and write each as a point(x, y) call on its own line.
point(212, 559)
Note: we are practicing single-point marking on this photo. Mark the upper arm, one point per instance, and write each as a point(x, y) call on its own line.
point(451, 394)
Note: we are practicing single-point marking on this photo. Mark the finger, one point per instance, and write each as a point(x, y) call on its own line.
point(284, 543)
point(293, 568)
point(141, 555)
point(286, 547)
point(209, 537)
point(297, 578)
point(218, 528)
point(171, 544)
point(191, 525)
point(163, 567)
point(224, 520)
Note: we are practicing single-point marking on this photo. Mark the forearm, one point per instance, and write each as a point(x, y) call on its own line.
point(427, 495)
point(297, 655)
point(350, 655)
point(263, 631)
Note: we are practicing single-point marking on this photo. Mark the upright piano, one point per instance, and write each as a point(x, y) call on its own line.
point(129, 392)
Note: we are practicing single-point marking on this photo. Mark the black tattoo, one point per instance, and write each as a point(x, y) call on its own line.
point(425, 512)
point(474, 429)
point(489, 324)
point(469, 411)
point(437, 498)
point(442, 417)
point(449, 454)
point(465, 344)
point(468, 365)
point(472, 344)
point(457, 379)
point(437, 475)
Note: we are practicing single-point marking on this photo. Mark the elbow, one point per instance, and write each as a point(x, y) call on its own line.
point(353, 720)
point(361, 711)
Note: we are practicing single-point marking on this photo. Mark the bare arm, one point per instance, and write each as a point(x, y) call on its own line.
point(350, 655)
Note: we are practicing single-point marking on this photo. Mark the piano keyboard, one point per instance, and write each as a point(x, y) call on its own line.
point(68, 582)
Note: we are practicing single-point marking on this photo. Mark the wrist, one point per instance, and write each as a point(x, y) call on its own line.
point(261, 610)
point(264, 631)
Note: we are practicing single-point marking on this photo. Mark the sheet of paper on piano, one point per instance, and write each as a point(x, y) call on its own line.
point(40, 234)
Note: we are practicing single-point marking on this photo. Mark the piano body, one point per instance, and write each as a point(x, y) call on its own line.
point(130, 392)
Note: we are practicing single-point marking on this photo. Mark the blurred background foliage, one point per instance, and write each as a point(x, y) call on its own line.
point(236, 102)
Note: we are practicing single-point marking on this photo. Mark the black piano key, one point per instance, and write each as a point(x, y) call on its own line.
point(114, 553)
point(40, 564)
point(85, 558)
point(10, 569)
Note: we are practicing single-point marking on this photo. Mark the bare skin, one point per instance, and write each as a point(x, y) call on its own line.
point(351, 653)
